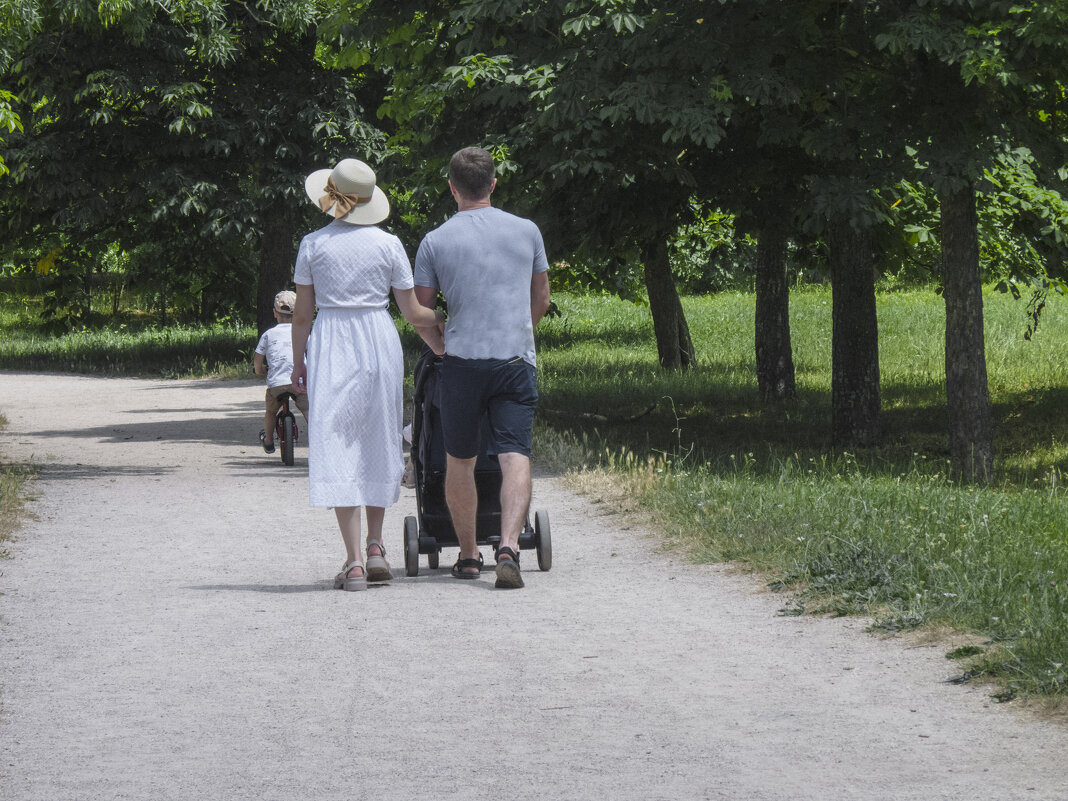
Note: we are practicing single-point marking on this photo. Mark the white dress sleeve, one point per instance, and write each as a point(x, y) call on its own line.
point(302, 271)
point(402, 268)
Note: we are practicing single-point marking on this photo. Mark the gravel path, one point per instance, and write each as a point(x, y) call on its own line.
point(169, 632)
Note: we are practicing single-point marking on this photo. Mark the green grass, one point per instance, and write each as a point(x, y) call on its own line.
point(883, 532)
point(910, 550)
point(12, 497)
point(134, 346)
point(598, 369)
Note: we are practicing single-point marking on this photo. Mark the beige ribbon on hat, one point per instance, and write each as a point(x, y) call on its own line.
point(341, 202)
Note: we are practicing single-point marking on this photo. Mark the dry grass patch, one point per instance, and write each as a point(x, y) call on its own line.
point(13, 496)
point(620, 492)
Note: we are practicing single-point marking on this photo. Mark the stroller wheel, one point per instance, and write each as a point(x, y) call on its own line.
point(411, 546)
point(432, 559)
point(543, 541)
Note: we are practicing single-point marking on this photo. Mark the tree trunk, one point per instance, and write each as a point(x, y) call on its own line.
point(774, 356)
point(276, 262)
point(855, 403)
point(116, 299)
point(88, 294)
point(673, 344)
point(971, 438)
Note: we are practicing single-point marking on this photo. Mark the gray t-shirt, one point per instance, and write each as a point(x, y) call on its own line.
point(482, 261)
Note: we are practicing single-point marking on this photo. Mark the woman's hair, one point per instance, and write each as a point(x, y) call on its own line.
point(471, 172)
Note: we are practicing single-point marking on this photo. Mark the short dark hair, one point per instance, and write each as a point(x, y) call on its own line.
point(471, 172)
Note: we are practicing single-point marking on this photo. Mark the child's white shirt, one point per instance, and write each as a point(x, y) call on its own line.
point(276, 345)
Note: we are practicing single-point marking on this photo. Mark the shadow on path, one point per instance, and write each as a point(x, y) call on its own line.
point(50, 471)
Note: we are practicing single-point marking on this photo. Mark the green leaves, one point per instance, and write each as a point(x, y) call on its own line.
point(580, 24)
point(9, 120)
point(112, 11)
point(217, 46)
point(183, 100)
point(617, 21)
point(484, 69)
point(182, 130)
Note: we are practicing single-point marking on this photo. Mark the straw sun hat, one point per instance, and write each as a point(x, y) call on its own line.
point(348, 193)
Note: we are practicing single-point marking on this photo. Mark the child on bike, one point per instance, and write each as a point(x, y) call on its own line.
point(274, 358)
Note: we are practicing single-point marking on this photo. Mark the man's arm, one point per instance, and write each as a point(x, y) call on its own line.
point(539, 296)
point(433, 336)
point(259, 364)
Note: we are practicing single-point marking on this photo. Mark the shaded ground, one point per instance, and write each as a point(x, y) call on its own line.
point(169, 631)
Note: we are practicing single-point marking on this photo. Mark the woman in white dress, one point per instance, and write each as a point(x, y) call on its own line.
point(355, 370)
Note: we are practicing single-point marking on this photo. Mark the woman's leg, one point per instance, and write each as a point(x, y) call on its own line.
point(377, 566)
point(375, 516)
point(348, 520)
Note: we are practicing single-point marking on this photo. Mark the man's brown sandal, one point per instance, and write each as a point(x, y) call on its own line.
point(459, 570)
point(508, 575)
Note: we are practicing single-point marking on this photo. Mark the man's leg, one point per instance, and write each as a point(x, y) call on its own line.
point(461, 412)
point(515, 500)
point(511, 410)
point(515, 497)
point(461, 496)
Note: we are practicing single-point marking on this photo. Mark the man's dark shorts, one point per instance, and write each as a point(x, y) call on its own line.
point(506, 389)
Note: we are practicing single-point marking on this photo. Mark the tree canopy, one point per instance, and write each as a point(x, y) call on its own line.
point(183, 133)
point(866, 133)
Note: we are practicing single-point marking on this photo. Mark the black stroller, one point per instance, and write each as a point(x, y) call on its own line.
point(432, 529)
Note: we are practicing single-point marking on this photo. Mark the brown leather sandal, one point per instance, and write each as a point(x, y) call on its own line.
point(459, 570)
point(508, 575)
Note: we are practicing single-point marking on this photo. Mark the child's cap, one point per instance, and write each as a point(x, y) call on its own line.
point(284, 301)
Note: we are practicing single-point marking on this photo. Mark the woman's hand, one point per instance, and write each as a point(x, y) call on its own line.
point(299, 378)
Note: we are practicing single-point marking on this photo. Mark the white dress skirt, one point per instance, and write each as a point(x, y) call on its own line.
point(356, 405)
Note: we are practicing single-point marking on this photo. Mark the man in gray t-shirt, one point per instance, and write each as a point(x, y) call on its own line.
point(491, 268)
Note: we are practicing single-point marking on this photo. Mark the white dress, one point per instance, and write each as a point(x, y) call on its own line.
point(355, 364)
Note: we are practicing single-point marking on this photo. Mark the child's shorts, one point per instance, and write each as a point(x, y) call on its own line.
point(274, 393)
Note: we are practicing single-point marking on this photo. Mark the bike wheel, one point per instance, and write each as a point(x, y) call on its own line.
point(288, 438)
